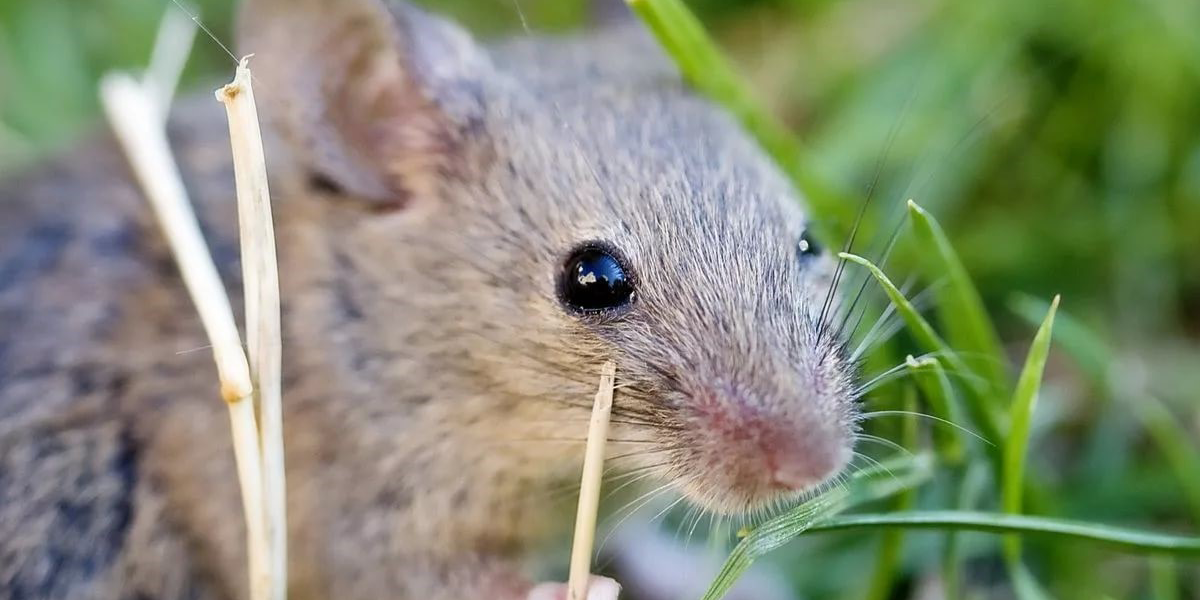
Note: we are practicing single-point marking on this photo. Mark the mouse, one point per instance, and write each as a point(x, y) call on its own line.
point(467, 231)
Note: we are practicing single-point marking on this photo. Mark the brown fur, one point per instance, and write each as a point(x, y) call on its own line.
point(436, 391)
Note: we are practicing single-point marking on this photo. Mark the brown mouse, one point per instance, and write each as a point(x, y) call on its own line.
point(466, 232)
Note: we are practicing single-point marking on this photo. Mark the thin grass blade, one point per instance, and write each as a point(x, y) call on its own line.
point(1026, 585)
point(1020, 418)
point(982, 414)
point(935, 387)
point(1127, 540)
point(885, 479)
point(1089, 350)
point(1096, 358)
point(959, 307)
point(975, 478)
point(891, 543)
point(1177, 444)
point(1164, 579)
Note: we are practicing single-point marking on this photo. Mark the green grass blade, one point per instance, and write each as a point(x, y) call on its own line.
point(885, 479)
point(1026, 585)
point(931, 379)
point(704, 66)
point(959, 307)
point(921, 329)
point(974, 480)
point(1096, 358)
point(1176, 444)
point(891, 543)
point(1164, 579)
point(1089, 350)
point(1020, 418)
point(982, 414)
point(1127, 540)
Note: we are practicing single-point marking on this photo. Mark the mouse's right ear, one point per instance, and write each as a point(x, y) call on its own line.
point(374, 97)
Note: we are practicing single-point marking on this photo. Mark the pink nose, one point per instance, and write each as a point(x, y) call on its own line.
point(758, 447)
point(798, 460)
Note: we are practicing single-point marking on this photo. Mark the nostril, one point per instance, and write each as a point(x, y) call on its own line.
point(760, 451)
point(800, 472)
point(800, 462)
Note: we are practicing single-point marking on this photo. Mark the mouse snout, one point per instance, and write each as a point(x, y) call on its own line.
point(756, 450)
point(797, 461)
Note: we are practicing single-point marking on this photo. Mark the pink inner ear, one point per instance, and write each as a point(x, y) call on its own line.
point(342, 80)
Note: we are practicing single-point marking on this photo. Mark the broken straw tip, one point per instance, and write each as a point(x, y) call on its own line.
point(228, 92)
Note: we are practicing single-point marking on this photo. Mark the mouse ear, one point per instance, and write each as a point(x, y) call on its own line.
point(374, 97)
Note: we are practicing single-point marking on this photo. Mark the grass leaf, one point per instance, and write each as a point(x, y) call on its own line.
point(974, 478)
point(959, 307)
point(891, 543)
point(1096, 358)
point(982, 414)
point(1088, 348)
point(931, 379)
point(1164, 579)
point(1176, 444)
point(1020, 417)
point(1128, 540)
point(1026, 585)
point(886, 478)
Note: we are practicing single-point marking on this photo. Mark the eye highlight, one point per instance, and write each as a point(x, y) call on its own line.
point(594, 280)
point(808, 247)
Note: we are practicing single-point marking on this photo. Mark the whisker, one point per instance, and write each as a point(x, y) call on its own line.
point(568, 440)
point(881, 378)
point(891, 244)
point(867, 339)
point(622, 421)
point(891, 373)
point(641, 474)
point(882, 441)
point(648, 497)
point(879, 163)
point(612, 475)
point(639, 453)
point(876, 464)
point(667, 509)
point(895, 413)
point(693, 511)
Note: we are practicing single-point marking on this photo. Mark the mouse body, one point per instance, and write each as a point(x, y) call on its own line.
point(466, 233)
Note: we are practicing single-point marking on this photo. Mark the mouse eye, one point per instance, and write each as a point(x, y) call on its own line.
point(593, 280)
point(808, 247)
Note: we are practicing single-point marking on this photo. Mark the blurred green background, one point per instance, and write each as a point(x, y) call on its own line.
point(1058, 142)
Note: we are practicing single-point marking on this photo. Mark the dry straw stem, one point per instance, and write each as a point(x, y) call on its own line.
point(589, 487)
point(132, 111)
point(263, 337)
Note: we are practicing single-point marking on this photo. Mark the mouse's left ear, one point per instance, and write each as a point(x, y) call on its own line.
point(375, 97)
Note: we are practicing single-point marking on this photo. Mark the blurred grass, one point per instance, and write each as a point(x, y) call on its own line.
point(1058, 144)
point(1016, 443)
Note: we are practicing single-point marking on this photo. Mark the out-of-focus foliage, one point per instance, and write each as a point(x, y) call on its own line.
point(1056, 141)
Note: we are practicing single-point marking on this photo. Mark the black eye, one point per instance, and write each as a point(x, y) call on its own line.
point(594, 280)
point(807, 246)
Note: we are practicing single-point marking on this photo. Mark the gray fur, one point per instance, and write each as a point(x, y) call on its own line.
point(436, 389)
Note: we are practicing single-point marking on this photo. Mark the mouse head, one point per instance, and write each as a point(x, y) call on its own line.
point(509, 218)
